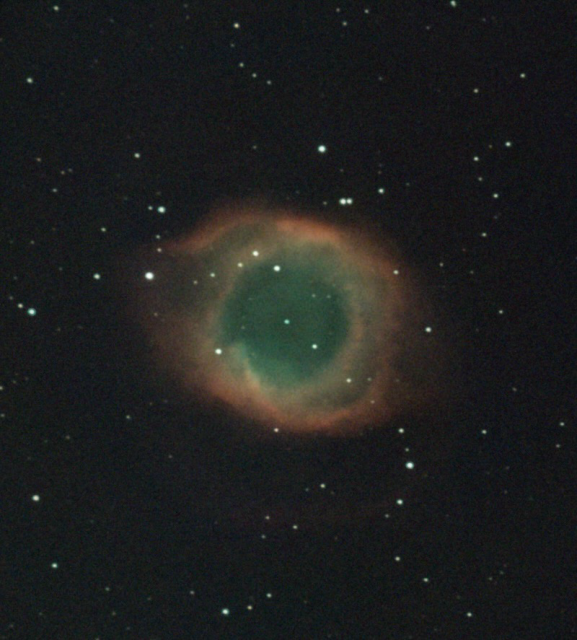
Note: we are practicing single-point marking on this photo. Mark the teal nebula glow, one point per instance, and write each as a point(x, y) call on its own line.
point(289, 319)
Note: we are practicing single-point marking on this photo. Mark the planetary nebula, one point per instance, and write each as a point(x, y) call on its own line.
point(293, 322)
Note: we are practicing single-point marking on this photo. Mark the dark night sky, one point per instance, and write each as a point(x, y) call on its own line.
point(128, 513)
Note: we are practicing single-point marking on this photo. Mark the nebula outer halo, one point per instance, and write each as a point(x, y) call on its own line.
point(379, 370)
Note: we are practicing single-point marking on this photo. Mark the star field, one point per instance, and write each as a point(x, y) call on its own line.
point(357, 426)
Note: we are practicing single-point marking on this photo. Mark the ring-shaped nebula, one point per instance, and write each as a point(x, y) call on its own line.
point(293, 322)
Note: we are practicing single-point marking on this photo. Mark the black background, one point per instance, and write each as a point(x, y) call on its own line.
point(452, 127)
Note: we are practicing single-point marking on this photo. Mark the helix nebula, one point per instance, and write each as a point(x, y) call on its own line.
point(294, 322)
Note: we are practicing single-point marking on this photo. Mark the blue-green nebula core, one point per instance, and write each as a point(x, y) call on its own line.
point(289, 320)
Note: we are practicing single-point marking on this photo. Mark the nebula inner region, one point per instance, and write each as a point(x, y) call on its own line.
point(288, 320)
